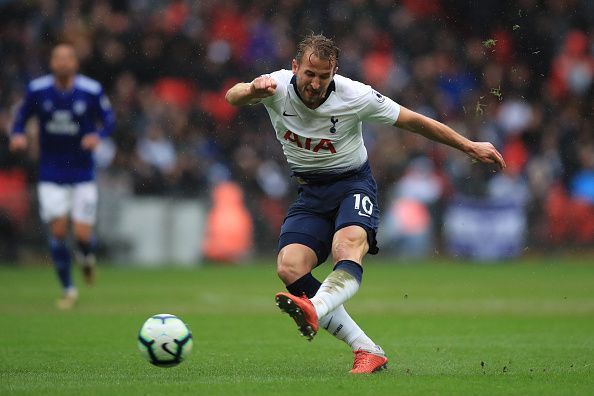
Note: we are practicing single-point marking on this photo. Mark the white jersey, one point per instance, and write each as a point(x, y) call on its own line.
point(329, 138)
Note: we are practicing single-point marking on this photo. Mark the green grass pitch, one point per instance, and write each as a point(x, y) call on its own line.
point(463, 329)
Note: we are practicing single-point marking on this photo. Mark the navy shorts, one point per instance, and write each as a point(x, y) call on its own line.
point(328, 203)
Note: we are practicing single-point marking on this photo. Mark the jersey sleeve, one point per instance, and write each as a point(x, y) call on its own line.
point(24, 111)
point(282, 78)
point(375, 107)
point(105, 113)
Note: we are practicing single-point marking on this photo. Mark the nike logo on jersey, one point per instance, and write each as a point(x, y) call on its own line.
point(288, 115)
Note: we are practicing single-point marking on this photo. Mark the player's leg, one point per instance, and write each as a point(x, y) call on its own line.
point(341, 325)
point(59, 250)
point(356, 224)
point(299, 280)
point(294, 265)
point(84, 211)
point(369, 357)
point(304, 242)
point(348, 248)
point(301, 250)
point(359, 208)
point(54, 203)
point(83, 234)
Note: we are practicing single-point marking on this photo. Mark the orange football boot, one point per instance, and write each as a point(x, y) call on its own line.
point(302, 311)
point(367, 362)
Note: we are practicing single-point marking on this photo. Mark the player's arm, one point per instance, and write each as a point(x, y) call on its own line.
point(106, 115)
point(91, 140)
point(435, 130)
point(18, 138)
point(251, 93)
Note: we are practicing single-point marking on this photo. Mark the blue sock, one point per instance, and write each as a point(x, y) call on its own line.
point(61, 258)
point(86, 248)
point(350, 267)
point(306, 284)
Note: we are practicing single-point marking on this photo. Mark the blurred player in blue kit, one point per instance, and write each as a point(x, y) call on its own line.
point(317, 115)
point(68, 107)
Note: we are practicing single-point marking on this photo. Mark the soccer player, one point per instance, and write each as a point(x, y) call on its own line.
point(68, 107)
point(317, 115)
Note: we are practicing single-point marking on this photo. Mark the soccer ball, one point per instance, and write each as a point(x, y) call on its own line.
point(164, 340)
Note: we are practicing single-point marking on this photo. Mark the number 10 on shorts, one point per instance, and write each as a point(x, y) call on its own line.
point(363, 204)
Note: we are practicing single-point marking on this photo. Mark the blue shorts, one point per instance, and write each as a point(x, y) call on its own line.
point(328, 203)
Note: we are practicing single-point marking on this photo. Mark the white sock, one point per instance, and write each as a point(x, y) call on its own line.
point(342, 326)
point(365, 343)
point(336, 289)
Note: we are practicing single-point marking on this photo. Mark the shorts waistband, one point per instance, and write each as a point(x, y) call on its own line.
point(323, 178)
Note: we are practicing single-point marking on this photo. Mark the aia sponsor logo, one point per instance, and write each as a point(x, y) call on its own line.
point(309, 143)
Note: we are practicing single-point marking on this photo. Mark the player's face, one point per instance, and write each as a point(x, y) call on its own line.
point(63, 62)
point(314, 75)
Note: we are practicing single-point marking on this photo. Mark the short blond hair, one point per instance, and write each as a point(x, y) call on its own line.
point(319, 45)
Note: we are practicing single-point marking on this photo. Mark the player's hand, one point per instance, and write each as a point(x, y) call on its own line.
point(18, 143)
point(90, 141)
point(263, 87)
point(486, 153)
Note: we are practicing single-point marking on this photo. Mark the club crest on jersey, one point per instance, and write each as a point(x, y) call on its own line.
point(333, 121)
point(309, 143)
point(378, 96)
point(79, 107)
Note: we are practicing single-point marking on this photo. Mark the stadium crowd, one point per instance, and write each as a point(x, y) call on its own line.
point(518, 73)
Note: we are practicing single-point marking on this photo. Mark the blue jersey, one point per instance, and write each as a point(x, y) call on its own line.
point(64, 118)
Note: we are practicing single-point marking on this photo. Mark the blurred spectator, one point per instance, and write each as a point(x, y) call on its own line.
point(156, 161)
point(573, 68)
point(14, 205)
point(582, 185)
point(407, 223)
point(522, 79)
point(229, 229)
